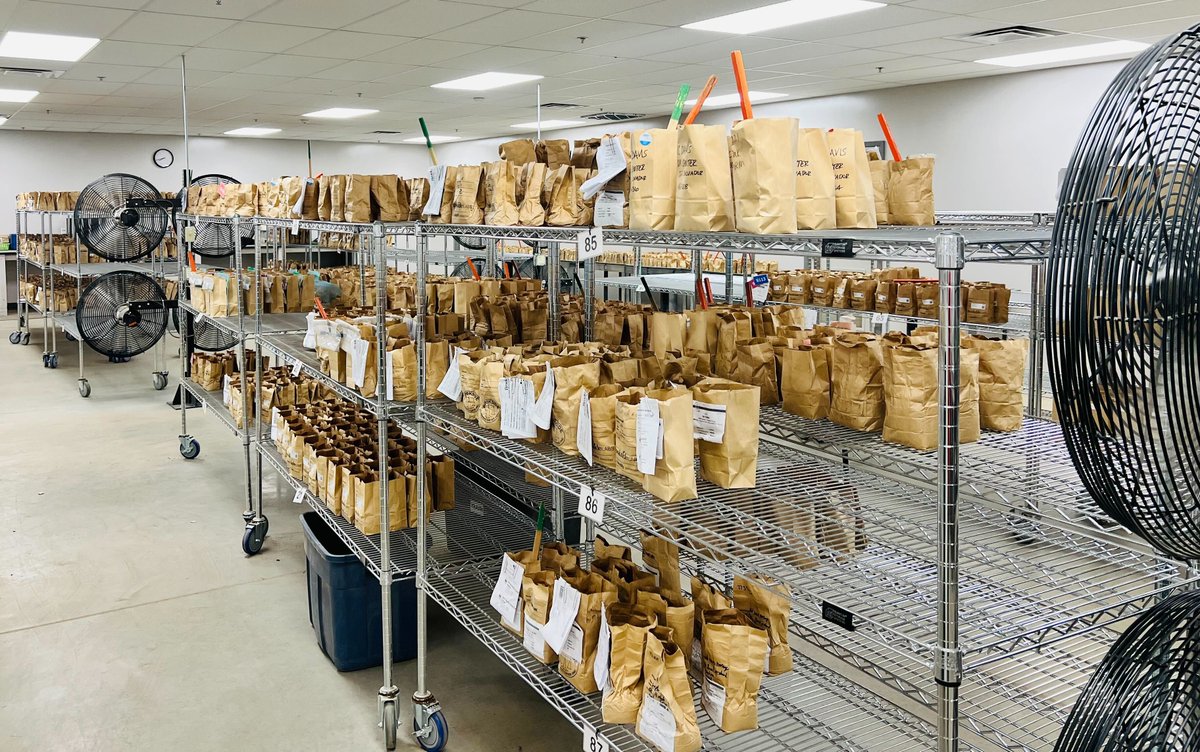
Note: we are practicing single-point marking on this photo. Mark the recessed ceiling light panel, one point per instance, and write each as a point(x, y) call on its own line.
point(731, 100)
point(778, 15)
point(548, 124)
point(432, 139)
point(17, 95)
point(340, 113)
point(251, 131)
point(485, 81)
point(1067, 54)
point(30, 46)
point(3, 119)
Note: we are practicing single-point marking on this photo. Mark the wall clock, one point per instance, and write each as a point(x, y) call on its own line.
point(164, 158)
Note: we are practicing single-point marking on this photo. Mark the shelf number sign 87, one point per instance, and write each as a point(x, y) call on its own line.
point(592, 741)
point(591, 504)
point(591, 243)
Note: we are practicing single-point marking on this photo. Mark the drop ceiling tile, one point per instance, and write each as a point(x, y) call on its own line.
point(160, 27)
point(423, 18)
point(507, 59)
point(869, 71)
point(118, 73)
point(323, 15)
point(251, 81)
point(963, 7)
point(1041, 11)
point(595, 33)
point(425, 52)
point(924, 74)
point(234, 9)
point(943, 27)
point(91, 88)
point(623, 71)
point(141, 90)
point(1185, 12)
point(309, 86)
point(118, 4)
point(887, 17)
point(930, 46)
point(345, 45)
point(208, 59)
point(838, 60)
point(1145, 32)
point(673, 13)
point(56, 98)
point(134, 53)
point(170, 75)
point(291, 65)
point(262, 37)
point(647, 45)
point(511, 25)
point(362, 71)
point(59, 18)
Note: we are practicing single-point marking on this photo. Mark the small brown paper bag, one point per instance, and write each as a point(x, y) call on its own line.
point(519, 151)
point(755, 365)
point(731, 462)
point(674, 477)
point(467, 201)
point(652, 171)
point(554, 153)
point(704, 184)
point(1001, 381)
point(530, 210)
point(629, 626)
point(603, 402)
point(762, 153)
point(576, 661)
point(852, 179)
point(734, 655)
point(804, 380)
point(857, 369)
point(816, 207)
point(881, 175)
point(500, 192)
point(538, 592)
point(385, 199)
point(770, 600)
point(667, 718)
point(662, 557)
point(562, 210)
point(910, 193)
point(572, 376)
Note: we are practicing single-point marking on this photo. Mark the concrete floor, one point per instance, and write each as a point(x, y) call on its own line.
point(131, 620)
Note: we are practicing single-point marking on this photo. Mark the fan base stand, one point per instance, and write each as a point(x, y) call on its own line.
point(180, 392)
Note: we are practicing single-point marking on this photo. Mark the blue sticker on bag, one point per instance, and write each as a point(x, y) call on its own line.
point(645, 139)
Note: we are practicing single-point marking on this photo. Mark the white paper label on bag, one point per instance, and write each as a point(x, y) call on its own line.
point(610, 209)
point(656, 723)
point(299, 497)
point(592, 741)
point(296, 223)
point(189, 234)
point(583, 427)
point(610, 162)
point(227, 392)
point(708, 422)
point(532, 637)
point(437, 184)
point(591, 243)
point(562, 615)
point(506, 595)
point(208, 283)
point(712, 697)
point(513, 620)
point(649, 429)
point(391, 377)
point(544, 406)
point(591, 504)
point(274, 424)
point(451, 385)
point(296, 368)
point(573, 648)
point(516, 404)
point(358, 360)
point(603, 646)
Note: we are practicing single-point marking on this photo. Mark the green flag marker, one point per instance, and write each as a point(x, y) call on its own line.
point(679, 100)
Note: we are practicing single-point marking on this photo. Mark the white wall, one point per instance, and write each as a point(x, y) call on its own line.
point(1000, 140)
point(45, 161)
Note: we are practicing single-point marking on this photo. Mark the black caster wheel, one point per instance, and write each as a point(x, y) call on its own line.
point(70, 337)
point(189, 448)
point(160, 381)
point(45, 360)
point(85, 389)
point(247, 516)
point(390, 724)
point(52, 360)
point(25, 338)
point(252, 539)
point(435, 735)
point(14, 338)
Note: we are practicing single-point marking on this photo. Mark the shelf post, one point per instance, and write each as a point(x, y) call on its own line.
point(258, 356)
point(421, 695)
point(948, 664)
point(245, 372)
point(554, 292)
point(1037, 296)
point(729, 278)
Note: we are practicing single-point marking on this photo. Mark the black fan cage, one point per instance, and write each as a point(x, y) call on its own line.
point(215, 238)
point(1123, 298)
point(1145, 694)
point(109, 227)
point(206, 335)
point(122, 313)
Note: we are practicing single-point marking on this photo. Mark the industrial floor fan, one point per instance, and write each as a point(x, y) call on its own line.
point(122, 314)
point(110, 227)
point(1124, 351)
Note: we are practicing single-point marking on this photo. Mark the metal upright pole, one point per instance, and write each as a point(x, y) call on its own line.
point(185, 326)
point(637, 268)
point(698, 274)
point(245, 428)
point(948, 668)
point(1037, 294)
point(729, 277)
point(554, 290)
point(388, 691)
point(258, 357)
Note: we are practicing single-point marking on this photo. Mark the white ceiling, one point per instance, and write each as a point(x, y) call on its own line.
point(265, 62)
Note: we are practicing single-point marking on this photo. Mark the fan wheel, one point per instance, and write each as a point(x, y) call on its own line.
point(109, 227)
point(122, 314)
point(215, 239)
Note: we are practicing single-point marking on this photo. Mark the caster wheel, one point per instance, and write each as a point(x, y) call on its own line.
point(160, 381)
point(252, 539)
point(45, 360)
point(70, 337)
point(189, 448)
point(14, 338)
point(390, 724)
point(247, 516)
point(85, 389)
point(52, 361)
point(436, 734)
point(25, 338)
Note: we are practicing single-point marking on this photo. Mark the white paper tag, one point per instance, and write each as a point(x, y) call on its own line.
point(562, 615)
point(358, 360)
point(296, 368)
point(543, 408)
point(708, 422)
point(591, 243)
point(610, 162)
point(437, 184)
point(199, 318)
point(506, 595)
point(648, 435)
point(274, 424)
point(391, 377)
point(299, 497)
point(879, 318)
point(603, 646)
point(532, 638)
point(610, 209)
point(591, 504)
point(451, 385)
point(573, 648)
point(712, 697)
point(227, 392)
point(516, 403)
point(513, 620)
point(208, 283)
point(767, 662)
point(296, 222)
point(592, 741)
point(583, 427)
point(656, 723)
point(189, 234)
point(658, 450)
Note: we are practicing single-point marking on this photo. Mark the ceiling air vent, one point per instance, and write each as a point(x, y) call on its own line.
point(1008, 34)
point(386, 133)
point(560, 106)
point(32, 72)
point(613, 117)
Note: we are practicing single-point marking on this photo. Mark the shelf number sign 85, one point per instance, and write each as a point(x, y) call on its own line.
point(592, 741)
point(591, 243)
point(591, 504)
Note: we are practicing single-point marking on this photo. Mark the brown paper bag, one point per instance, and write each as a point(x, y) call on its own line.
point(857, 369)
point(468, 199)
point(881, 176)
point(704, 184)
point(446, 207)
point(500, 193)
point(762, 154)
point(554, 153)
point(625, 433)
point(385, 199)
point(652, 170)
point(674, 477)
point(731, 462)
point(603, 403)
point(530, 210)
point(673, 610)
point(337, 198)
point(418, 195)
point(910, 193)
point(816, 205)
point(576, 661)
point(667, 718)
point(572, 376)
point(518, 151)
point(734, 326)
point(562, 210)
point(629, 626)
point(804, 380)
point(734, 654)
point(662, 558)
point(755, 365)
point(852, 179)
point(325, 198)
point(490, 374)
point(538, 592)
point(862, 293)
point(770, 600)
point(1001, 381)
point(667, 333)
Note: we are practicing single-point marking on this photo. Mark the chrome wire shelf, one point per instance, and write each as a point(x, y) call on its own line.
point(1022, 586)
point(212, 403)
point(272, 323)
point(811, 709)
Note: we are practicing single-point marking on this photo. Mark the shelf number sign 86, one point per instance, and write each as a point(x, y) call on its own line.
point(592, 741)
point(591, 243)
point(591, 504)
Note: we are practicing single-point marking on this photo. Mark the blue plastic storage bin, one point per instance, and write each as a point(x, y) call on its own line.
point(344, 603)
